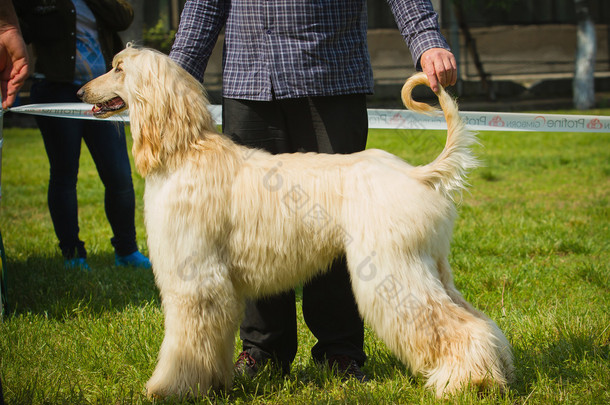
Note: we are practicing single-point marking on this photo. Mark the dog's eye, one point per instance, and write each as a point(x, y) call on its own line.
point(118, 69)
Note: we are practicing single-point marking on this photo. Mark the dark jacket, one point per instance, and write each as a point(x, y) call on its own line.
point(50, 25)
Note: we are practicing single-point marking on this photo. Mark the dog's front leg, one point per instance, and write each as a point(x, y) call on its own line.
point(200, 324)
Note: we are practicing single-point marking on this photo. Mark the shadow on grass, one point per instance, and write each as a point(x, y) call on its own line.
point(314, 383)
point(568, 360)
point(41, 285)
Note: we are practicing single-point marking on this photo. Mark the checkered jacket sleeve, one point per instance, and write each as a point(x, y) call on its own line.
point(200, 24)
point(418, 24)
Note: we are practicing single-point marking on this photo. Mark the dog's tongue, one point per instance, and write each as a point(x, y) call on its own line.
point(117, 101)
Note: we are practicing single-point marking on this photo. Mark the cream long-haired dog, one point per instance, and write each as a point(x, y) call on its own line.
point(226, 223)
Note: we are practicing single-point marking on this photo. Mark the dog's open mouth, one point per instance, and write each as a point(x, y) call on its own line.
point(109, 107)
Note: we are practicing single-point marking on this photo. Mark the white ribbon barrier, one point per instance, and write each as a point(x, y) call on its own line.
point(66, 110)
point(389, 119)
point(491, 121)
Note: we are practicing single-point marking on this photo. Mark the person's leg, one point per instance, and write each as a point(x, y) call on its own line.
point(62, 141)
point(258, 124)
point(268, 330)
point(331, 314)
point(107, 145)
point(335, 124)
point(329, 125)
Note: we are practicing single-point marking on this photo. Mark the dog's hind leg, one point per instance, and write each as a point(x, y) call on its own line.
point(402, 297)
point(504, 351)
point(201, 317)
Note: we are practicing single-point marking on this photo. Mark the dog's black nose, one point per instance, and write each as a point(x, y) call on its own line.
point(80, 93)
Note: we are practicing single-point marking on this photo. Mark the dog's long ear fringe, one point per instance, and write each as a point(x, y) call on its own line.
point(447, 173)
point(168, 109)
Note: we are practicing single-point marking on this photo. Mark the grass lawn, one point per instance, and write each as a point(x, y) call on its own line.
point(531, 249)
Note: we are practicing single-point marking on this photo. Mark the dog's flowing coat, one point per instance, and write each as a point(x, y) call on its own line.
point(226, 222)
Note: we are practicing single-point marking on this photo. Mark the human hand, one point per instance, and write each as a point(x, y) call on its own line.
point(14, 64)
point(440, 66)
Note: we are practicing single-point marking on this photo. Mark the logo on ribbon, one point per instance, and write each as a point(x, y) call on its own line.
point(497, 122)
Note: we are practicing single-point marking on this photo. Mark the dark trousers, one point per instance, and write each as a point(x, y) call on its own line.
point(336, 124)
point(106, 142)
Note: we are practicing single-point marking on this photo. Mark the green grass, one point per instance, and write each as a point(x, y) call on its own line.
point(531, 249)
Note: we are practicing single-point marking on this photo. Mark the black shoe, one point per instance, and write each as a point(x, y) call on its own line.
point(246, 365)
point(346, 368)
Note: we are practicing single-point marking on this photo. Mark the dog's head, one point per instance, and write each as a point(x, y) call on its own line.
point(167, 106)
point(108, 93)
point(138, 75)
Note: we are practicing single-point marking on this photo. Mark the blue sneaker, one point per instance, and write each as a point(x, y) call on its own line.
point(79, 263)
point(136, 259)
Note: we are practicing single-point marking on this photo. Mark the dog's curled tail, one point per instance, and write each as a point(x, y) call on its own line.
point(447, 173)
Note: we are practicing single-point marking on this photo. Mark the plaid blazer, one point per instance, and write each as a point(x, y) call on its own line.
point(294, 48)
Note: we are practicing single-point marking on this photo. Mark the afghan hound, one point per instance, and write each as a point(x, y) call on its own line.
point(226, 223)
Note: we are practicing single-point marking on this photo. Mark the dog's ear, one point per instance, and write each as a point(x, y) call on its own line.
point(148, 95)
point(168, 109)
point(146, 147)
